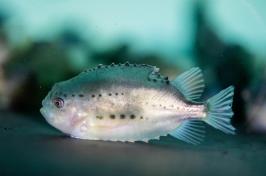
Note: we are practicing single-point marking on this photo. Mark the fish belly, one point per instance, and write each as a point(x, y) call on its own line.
point(141, 114)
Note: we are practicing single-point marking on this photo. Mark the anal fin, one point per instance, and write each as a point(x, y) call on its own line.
point(190, 131)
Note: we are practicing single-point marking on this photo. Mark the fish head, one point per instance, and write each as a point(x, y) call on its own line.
point(59, 110)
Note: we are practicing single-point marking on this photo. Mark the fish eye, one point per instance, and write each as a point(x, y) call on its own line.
point(58, 102)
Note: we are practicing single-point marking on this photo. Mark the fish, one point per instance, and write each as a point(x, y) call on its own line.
point(135, 102)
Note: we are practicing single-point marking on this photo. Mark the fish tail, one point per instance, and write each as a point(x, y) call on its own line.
point(219, 111)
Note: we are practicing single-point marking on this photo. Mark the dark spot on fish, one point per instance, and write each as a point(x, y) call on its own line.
point(122, 116)
point(149, 79)
point(112, 116)
point(164, 107)
point(65, 95)
point(160, 105)
point(116, 94)
point(92, 95)
point(73, 95)
point(122, 93)
point(127, 64)
point(81, 95)
point(112, 64)
point(166, 78)
point(99, 117)
point(141, 117)
point(100, 95)
point(167, 82)
point(135, 65)
point(132, 116)
point(110, 94)
point(154, 80)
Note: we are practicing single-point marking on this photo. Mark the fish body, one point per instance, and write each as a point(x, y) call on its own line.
point(129, 102)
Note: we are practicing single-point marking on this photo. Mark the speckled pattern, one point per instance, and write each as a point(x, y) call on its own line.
point(29, 146)
point(124, 102)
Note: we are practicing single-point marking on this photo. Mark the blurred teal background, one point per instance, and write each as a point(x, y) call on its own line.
point(43, 42)
point(46, 41)
point(226, 39)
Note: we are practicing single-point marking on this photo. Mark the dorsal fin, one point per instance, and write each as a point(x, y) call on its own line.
point(190, 83)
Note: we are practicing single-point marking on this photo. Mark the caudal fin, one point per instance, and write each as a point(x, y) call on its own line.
point(220, 111)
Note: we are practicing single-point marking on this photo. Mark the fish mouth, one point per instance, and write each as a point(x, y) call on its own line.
point(46, 116)
point(42, 111)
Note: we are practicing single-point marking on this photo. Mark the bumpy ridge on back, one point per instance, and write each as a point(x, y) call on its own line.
point(127, 64)
point(132, 71)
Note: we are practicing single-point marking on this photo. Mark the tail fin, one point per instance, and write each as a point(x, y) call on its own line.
point(220, 111)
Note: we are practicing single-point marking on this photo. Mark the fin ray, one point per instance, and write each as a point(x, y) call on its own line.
point(190, 83)
point(190, 131)
point(220, 111)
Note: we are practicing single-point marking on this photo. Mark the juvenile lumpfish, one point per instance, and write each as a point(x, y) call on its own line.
point(130, 102)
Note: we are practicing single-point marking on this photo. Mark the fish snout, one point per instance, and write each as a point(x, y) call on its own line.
point(43, 111)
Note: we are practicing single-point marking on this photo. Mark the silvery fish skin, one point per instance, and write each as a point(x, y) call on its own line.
point(130, 102)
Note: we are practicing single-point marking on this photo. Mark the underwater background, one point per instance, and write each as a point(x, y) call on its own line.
point(46, 41)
